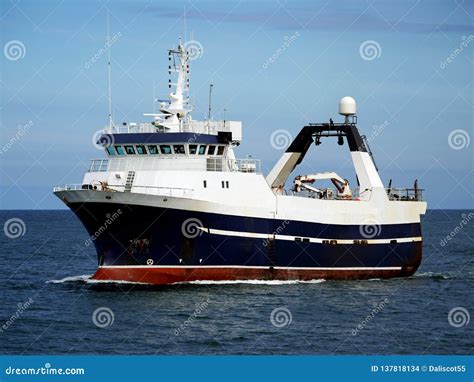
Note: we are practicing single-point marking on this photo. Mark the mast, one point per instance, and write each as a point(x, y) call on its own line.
point(179, 99)
point(174, 113)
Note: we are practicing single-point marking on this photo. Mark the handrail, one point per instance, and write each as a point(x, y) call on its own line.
point(67, 187)
point(102, 187)
point(394, 194)
point(193, 126)
point(98, 165)
point(154, 163)
point(405, 194)
point(408, 195)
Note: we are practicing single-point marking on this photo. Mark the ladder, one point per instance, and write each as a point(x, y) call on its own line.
point(366, 144)
point(129, 182)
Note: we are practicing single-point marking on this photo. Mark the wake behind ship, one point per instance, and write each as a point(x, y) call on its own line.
point(171, 203)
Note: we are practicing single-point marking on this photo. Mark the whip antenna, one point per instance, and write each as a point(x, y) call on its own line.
point(210, 100)
point(111, 123)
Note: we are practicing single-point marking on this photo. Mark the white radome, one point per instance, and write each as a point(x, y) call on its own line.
point(347, 106)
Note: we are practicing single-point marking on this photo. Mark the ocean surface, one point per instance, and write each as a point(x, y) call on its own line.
point(49, 305)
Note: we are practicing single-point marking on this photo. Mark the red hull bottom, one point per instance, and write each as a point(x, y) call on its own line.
point(165, 276)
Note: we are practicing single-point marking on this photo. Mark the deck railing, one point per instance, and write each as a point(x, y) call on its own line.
point(400, 194)
point(98, 165)
point(68, 187)
point(149, 190)
point(198, 127)
point(394, 194)
point(181, 164)
point(405, 194)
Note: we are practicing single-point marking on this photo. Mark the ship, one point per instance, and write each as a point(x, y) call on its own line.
point(170, 202)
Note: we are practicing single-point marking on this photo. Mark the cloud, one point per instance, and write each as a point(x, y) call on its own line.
point(297, 16)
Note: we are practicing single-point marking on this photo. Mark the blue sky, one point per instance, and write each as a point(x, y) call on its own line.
point(413, 83)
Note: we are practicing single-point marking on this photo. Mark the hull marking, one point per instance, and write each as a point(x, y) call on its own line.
point(256, 235)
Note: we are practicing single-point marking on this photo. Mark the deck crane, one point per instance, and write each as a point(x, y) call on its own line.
point(342, 185)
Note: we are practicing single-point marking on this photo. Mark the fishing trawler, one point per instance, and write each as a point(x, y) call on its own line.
point(171, 203)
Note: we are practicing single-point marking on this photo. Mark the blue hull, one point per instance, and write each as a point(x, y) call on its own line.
point(143, 236)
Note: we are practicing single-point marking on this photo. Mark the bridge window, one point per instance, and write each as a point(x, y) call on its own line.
point(129, 150)
point(165, 149)
point(220, 150)
point(202, 149)
point(152, 150)
point(141, 149)
point(193, 149)
point(211, 150)
point(119, 150)
point(179, 149)
point(110, 150)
